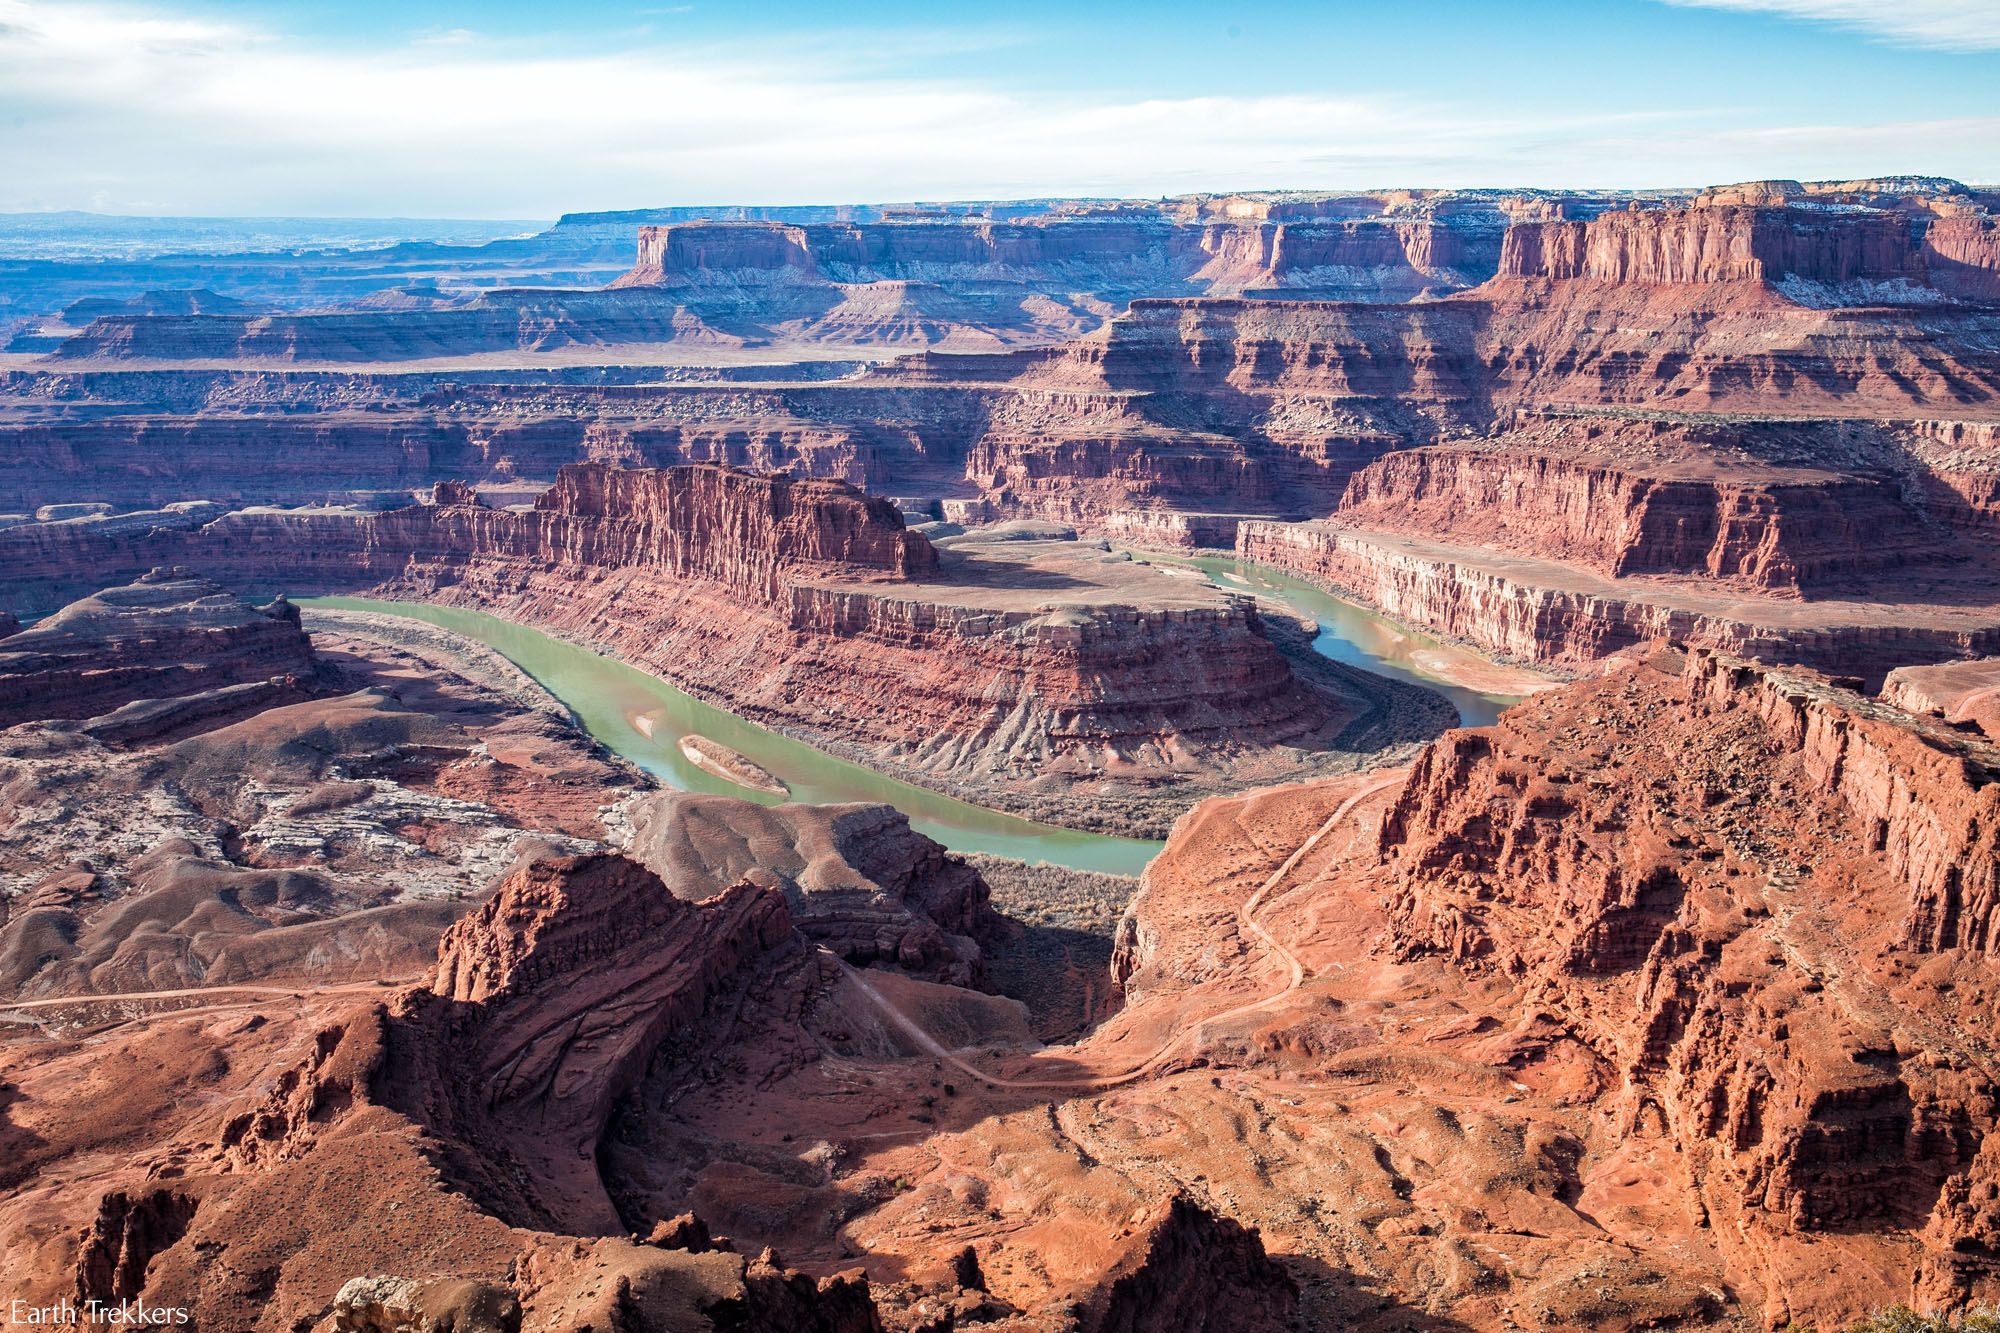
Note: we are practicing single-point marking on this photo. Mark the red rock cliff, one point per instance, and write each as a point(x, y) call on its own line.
point(1765, 528)
point(547, 1006)
point(1768, 904)
point(1729, 244)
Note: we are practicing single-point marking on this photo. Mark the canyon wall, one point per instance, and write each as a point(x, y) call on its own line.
point(1389, 256)
point(1962, 254)
point(1717, 244)
point(1751, 892)
point(1539, 611)
point(1762, 528)
point(167, 635)
point(805, 606)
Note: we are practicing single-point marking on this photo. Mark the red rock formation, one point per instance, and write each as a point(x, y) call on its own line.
point(733, 527)
point(1543, 611)
point(1749, 890)
point(166, 636)
point(1740, 523)
point(856, 879)
point(1962, 254)
point(1717, 244)
point(1966, 694)
point(544, 1016)
point(1376, 252)
point(1191, 1267)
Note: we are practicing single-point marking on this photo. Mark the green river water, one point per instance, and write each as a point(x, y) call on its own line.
point(643, 718)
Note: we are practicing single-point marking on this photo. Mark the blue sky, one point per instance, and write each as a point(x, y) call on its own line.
point(509, 109)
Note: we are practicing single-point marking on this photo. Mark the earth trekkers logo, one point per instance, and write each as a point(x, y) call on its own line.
point(100, 1314)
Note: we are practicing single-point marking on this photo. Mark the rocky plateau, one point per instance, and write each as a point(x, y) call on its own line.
point(351, 983)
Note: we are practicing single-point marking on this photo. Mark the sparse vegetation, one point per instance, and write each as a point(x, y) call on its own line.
point(1902, 1319)
point(1056, 959)
point(1046, 895)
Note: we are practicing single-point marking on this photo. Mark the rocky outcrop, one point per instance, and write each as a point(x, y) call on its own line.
point(856, 878)
point(1654, 857)
point(401, 1305)
point(1926, 798)
point(1966, 694)
point(128, 1232)
point(1765, 528)
point(1719, 244)
point(168, 635)
point(548, 1005)
point(1191, 1273)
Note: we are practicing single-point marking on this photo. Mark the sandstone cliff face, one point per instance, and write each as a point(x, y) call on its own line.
point(168, 635)
point(736, 528)
point(1720, 244)
point(1763, 528)
point(1375, 252)
point(1752, 935)
point(1962, 253)
point(1960, 476)
point(1926, 797)
point(1541, 611)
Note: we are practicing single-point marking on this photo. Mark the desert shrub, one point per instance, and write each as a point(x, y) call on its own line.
point(1902, 1319)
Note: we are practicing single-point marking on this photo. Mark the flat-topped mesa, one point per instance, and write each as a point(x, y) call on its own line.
point(1729, 244)
point(688, 251)
point(167, 635)
point(1768, 904)
point(1629, 498)
point(1365, 248)
point(719, 522)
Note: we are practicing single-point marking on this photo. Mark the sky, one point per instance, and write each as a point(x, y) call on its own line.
point(503, 109)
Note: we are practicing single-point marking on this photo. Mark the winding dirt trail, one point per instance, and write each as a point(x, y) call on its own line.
point(13, 1007)
point(1246, 923)
point(902, 1022)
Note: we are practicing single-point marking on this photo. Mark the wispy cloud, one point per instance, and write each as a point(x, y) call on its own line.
point(446, 37)
point(151, 110)
point(1936, 25)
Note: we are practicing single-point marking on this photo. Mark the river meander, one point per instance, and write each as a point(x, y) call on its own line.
point(643, 718)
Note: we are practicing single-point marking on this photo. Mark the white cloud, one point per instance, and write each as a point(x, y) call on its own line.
point(147, 111)
point(1938, 25)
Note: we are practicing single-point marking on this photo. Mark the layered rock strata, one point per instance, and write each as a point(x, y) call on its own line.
point(1758, 939)
point(857, 879)
point(168, 635)
point(807, 606)
point(1542, 611)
